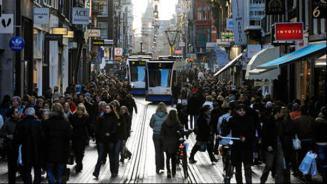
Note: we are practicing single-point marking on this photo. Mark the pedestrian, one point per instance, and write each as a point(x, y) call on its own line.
point(79, 121)
point(29, 135)
point(170, 136)
point(304, 130)
point(109, 130)
point(194, 104)
point(284, 148)
point(156, 122)
point(203, 133)
point(58, 132)
point(242, 126)
point(10, 144)
point(127, 122)
point(102, 110)
point(320, 138)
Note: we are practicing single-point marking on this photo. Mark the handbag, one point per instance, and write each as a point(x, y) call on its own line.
point(296, 143)
point(307, 163)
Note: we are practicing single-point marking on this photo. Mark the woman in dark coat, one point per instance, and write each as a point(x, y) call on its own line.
point(125, 132)
point(79, 121)
point(169, 134)
point(58, 132)
point(203, 133)
point(108, 133)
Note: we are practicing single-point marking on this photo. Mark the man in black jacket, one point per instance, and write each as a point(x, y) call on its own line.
point(30, 136)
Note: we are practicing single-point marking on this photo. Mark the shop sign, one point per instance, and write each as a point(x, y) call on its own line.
point(88, 5)
point(275, 7)
point(81, 16)
point(7, 24)
point(319, 8)
point(229, 24)
point(17, 43)
point(41, 16)
point(118, 52)
point(53, 37)
point(227, 35)
point(94, 32)
point(178, 52)
point(288, 31)
point(98, 42)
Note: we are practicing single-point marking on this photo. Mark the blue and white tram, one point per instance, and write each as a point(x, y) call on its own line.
point(159, 81)
point(136, 74)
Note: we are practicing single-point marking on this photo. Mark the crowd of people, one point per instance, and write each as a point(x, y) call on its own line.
point(248, 128)
point(45, 133)
point(236, 122)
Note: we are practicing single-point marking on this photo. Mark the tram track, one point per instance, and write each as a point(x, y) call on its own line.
point(137, 146)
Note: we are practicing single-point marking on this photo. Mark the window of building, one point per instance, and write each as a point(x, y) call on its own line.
point(103, 26)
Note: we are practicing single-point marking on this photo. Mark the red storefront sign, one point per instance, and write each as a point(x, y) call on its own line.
point(288, 31)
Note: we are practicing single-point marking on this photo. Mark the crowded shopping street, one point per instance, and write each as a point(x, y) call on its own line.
point(163, 91)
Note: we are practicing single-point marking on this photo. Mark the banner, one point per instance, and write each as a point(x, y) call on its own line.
point(41, 16)
point(238, 19)
point(275, 7)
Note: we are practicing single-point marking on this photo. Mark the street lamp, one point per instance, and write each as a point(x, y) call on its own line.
point(172, 38)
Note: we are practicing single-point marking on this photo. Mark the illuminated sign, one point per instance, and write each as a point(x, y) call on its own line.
point(288, 31)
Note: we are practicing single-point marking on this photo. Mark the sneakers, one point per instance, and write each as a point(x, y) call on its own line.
point(192, 161)
point(96, 177)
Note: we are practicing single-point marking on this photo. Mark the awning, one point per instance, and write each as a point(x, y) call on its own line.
point(294, 56)
point(231, 63)
point(262, 57)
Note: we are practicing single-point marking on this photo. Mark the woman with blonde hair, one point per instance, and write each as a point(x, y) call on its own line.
point(58, 133)
point(79, 121)
point(156, 122)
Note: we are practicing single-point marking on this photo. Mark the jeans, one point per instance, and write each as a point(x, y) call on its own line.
point(171, 157)
point(269, 161)
point(12, 153)
point(196, 148)
point(322, 161)
point(193, 119)
point(55, 173)
point(227, 164)
point(158, 147)
point(101, 157)
point(247, 170)
point(79, 149)
point(114, 150)
point(27, 176)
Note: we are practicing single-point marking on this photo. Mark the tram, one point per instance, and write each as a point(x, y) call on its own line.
point(136, 73)
point(159, 80)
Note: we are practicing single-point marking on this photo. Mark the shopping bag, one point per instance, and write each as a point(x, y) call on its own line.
point(314, 170)
point(306, 163)
point(296, 143)
point(20, 159)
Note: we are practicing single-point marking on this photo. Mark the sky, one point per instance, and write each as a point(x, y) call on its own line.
point(166, 11)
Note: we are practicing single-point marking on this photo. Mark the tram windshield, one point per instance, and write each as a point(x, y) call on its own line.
point(137, 73)
point(160, 75)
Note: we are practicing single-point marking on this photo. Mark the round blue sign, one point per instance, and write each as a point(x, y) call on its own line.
point(17, 43)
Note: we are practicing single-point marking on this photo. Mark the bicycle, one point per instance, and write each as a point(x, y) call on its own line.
point(182, 152)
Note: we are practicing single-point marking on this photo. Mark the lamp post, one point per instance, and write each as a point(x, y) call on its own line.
point(141, 44)
point(172, 38)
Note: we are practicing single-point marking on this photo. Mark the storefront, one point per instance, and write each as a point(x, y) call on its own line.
point(299, 72)
point(261, 79)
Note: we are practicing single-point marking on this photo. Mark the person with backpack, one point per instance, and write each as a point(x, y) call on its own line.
point(203, 133)
point(156, 122)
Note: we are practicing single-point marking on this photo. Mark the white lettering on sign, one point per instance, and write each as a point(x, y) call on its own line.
point(80, 16)
point(7, 24)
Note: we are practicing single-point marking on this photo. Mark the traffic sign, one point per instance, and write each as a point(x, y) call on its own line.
point(17, 43)
point(118, 51)
point(7, 24)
